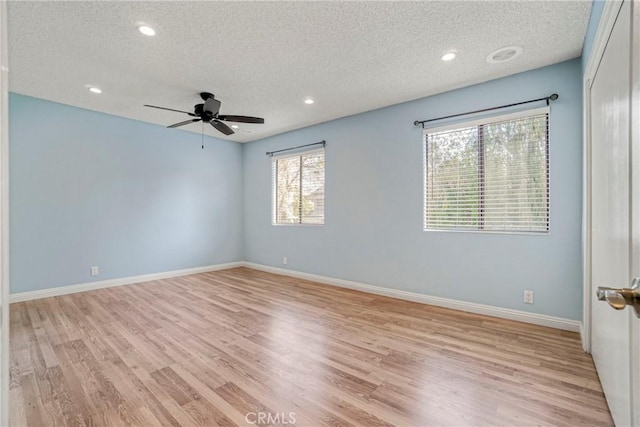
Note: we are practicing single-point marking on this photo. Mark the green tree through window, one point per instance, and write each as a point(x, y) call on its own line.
point(298, 185)
point(491, 176)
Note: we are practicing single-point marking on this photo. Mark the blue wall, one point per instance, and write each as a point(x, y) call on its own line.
point(373, 229)
point(132, 198)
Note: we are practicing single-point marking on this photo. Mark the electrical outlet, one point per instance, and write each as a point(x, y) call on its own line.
point(284, 260)
point(94, 270)
point(528, 297)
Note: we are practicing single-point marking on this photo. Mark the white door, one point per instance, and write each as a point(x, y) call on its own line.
point(613, 222)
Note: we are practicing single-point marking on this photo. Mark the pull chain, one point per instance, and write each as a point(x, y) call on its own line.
point(203, 134)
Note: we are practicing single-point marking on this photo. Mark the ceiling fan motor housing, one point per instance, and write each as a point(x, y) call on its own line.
point(211, 106)
point(208, 113)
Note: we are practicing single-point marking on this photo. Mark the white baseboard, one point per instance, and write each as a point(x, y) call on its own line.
point(488, 310)
point(82, 287)
point(504, 313)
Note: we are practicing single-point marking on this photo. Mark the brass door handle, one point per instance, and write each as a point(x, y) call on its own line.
point(620, 298)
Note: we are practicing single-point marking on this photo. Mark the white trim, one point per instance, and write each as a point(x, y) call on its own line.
point(634, 327)
point(585, 332)
point(605, 26)
point(488, 120)
point(4, 218)
point(503, 313)
point(83, 287)
point(475, 230)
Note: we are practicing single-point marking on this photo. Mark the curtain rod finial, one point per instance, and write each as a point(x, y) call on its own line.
point(554, 96)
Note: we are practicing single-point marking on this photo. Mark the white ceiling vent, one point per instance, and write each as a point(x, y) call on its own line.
point(504, 54)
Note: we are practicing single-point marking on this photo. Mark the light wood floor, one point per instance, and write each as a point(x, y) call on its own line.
point(211, 348)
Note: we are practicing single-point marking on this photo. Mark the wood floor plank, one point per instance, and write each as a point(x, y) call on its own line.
point(220, 348)
point(18, 407)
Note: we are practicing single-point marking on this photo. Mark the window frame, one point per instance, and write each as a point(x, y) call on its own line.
point(487, 120)
point(274, 187)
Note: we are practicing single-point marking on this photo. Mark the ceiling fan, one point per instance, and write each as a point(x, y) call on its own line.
point(208, 113)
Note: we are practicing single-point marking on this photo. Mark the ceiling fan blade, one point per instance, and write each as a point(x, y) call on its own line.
point(169, 109)
point(221, 127)
point(186, 122)
point(241, 119)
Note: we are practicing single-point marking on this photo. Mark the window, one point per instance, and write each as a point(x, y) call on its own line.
point(489, 175)
point(298, 188)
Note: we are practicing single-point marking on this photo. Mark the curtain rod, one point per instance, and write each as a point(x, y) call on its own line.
point(271, 153)
point(551, 97)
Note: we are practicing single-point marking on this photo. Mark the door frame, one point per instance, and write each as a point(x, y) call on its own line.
point(607, 21)
point(634, 140)
point(4, 217)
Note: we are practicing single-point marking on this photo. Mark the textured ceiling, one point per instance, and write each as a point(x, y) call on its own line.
point(264, 58)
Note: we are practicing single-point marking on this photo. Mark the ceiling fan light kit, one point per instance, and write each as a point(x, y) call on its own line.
point(208, 112)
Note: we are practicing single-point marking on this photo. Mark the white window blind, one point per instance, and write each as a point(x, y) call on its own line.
point(298, 188)
point(491, 175)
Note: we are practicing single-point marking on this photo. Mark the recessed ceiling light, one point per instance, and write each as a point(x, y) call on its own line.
point(147, 30)
point(504, 54)
point(309, 101)
point(449, 56)
point(234, 126)
point(94, 89)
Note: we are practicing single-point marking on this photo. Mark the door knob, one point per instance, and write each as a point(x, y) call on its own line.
point(620, 298)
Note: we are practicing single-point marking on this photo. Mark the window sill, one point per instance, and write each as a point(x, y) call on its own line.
point(297, 225)
point(522, 233)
